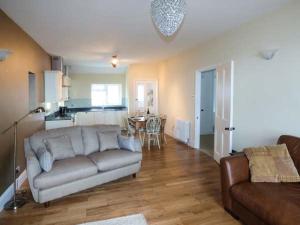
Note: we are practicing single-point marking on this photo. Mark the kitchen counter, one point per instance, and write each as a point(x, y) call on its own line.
point(70, 115)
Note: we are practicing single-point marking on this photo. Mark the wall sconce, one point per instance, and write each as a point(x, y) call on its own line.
point(4, 53)
point(269, 54)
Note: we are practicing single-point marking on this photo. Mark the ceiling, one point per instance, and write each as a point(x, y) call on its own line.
point(89, 32)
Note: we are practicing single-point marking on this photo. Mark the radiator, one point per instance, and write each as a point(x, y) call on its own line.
point(182, 130)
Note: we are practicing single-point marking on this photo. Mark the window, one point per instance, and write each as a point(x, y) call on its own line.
point(106, 94)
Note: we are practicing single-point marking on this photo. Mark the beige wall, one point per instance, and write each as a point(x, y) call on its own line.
point(146, 71)
point(266, 93)
point(81, 83)
point(27, 56)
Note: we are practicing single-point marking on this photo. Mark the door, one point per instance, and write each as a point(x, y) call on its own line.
point(146, 96)
point(207, 121)
point(224, 107)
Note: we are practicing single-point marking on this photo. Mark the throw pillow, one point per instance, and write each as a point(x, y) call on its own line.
point(271, 164)
point(108, 140)
point(129, 143)
point(60, 147)
point(45, 159)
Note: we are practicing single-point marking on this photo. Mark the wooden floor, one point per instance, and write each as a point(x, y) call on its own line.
point(176, 186)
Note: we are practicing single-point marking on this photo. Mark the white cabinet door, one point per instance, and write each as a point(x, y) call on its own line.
point(85, 118)
point(122, 116)
point(58, 124)
point(53, 86)
point(100, 117)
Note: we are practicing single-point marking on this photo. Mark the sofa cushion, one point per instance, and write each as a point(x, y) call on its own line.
point(275, 203)
point(129, 143)
point(90, 140)
point(60, 147)
point(90, 136)
point(64, 171)
point(45, 159)
point(36, 140)
point(108, 140)
point(271, 164)
point(114, 159)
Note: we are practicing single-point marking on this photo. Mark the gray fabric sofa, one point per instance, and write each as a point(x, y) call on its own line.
point(87, 169)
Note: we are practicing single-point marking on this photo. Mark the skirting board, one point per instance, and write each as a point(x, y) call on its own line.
point(170, 133)
point(9, 192)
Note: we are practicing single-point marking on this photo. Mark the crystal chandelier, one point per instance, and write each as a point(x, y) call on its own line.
point(168, 15)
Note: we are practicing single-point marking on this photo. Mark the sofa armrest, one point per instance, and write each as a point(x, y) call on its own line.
point(234, 170)
point(33, 168)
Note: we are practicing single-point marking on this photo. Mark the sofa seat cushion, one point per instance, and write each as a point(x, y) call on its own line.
point(114, 159)
point(66, 170)
point(274, 203)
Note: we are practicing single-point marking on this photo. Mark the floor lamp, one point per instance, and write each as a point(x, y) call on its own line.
point(17, 202)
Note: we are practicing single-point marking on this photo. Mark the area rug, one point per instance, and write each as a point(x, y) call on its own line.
point(137, 219)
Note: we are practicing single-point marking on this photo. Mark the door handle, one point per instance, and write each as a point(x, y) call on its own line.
point(229, 128)
point(202, 110)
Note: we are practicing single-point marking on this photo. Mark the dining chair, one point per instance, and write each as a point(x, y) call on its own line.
point(162, 129)
point(153, 125)
point(127, 128)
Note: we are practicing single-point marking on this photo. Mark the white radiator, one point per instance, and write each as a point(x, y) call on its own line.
point(182, 130)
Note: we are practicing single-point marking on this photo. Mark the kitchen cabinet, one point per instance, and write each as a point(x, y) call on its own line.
point(53, 86)
point(58, 124)
point(85, 118)
point(101, 117)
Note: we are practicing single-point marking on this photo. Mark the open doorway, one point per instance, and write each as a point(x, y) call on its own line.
point(207, 111)
point(214, 110)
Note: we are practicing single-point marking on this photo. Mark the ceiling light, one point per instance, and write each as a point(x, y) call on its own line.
point(168, 15)
point(114, 61)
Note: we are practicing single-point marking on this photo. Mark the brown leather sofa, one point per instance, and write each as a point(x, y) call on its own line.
point(260, 203)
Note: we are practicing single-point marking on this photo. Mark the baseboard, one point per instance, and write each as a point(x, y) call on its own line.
point(9, 192)
point(170, 133)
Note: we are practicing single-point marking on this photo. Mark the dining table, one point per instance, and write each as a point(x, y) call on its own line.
point(139, 122)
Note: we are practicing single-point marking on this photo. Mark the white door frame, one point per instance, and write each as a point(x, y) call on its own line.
point(198, 104)
point(156, 90)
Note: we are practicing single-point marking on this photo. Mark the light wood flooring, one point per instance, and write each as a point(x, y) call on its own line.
point(176, 186)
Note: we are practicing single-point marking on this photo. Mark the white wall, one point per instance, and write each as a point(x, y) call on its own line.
point(266, 93)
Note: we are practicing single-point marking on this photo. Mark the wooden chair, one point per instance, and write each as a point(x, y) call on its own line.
point(127, 128)
point(153, 130)
point(162, 129)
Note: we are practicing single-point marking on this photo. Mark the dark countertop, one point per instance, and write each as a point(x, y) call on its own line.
point(96, 109)
point(72, 111)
